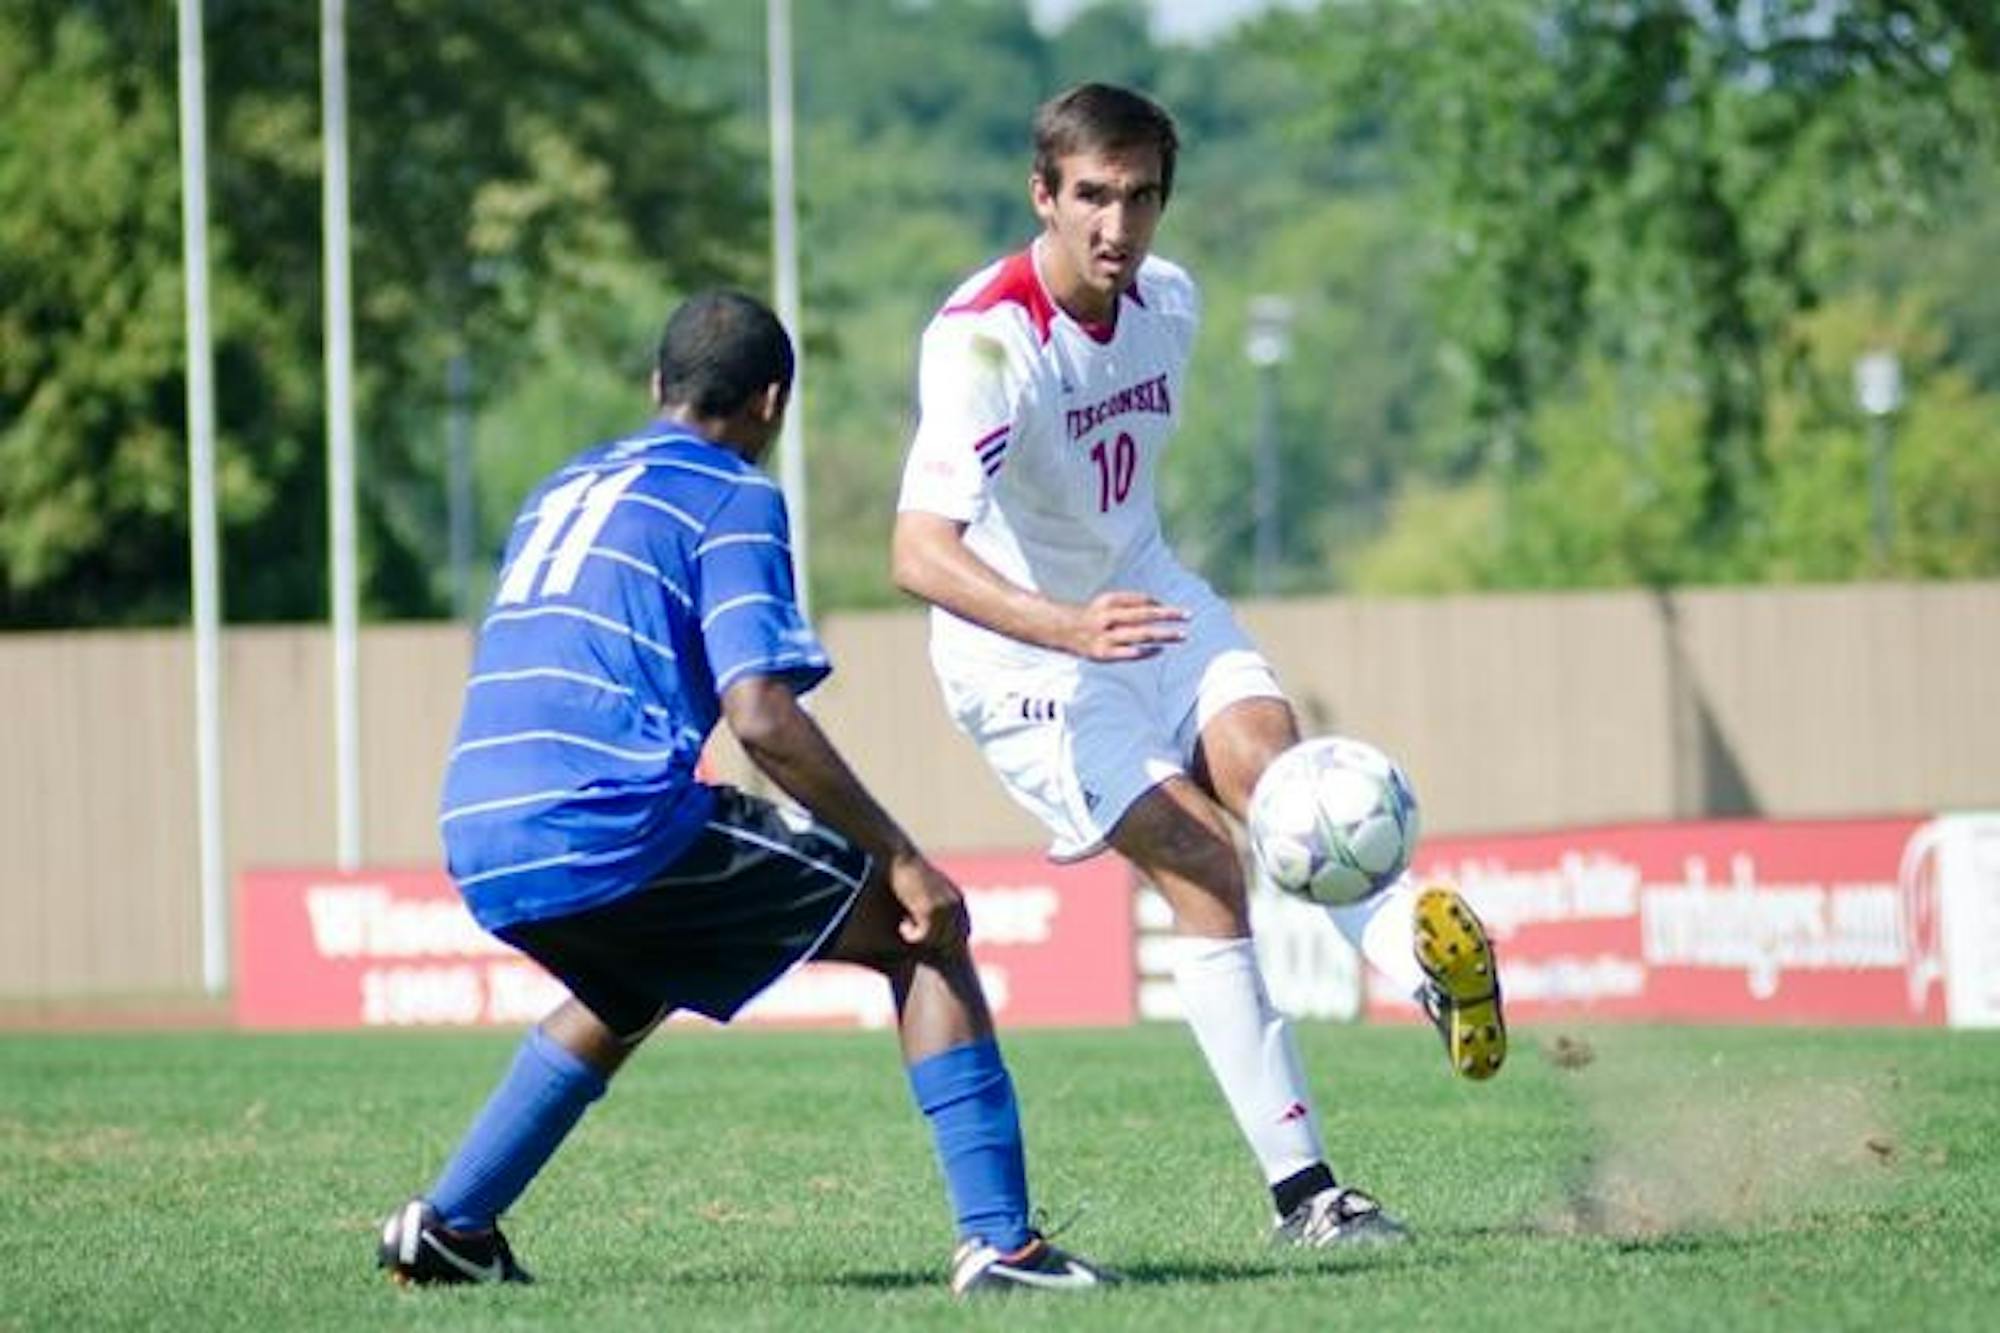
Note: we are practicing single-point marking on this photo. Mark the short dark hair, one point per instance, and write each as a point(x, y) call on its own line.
point(1101, 117)
point(719, 350)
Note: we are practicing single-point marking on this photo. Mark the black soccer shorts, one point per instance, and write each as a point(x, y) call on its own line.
point(760, 890)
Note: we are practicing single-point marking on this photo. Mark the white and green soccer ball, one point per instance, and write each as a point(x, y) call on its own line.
point(1333, 820)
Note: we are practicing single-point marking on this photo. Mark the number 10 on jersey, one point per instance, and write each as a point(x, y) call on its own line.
point(1117, 460)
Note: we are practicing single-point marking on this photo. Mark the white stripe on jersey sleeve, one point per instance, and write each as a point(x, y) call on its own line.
point(743, 538)
point(770, 666)
point(738, 603)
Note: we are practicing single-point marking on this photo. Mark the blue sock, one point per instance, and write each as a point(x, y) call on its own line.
point(527, 1117)
point(969, 1100)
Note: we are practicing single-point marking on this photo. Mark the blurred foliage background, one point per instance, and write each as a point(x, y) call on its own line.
point(1578, 288)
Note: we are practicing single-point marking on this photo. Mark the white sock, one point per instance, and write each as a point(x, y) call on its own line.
point(1383, 928)
point(1249, 1048)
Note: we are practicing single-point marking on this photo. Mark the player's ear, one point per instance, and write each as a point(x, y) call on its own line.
point(657, 387)
point(771, 403)
point(1041, 196)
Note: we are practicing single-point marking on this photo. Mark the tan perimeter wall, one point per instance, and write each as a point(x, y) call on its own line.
point(1511, 712)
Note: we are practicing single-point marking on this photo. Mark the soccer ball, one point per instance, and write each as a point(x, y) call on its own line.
point(1333, 820)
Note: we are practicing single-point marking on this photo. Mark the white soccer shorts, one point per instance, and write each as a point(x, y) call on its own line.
point(1077, 742)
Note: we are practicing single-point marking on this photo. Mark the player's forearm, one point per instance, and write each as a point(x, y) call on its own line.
point(787, 745)
point(930, 561)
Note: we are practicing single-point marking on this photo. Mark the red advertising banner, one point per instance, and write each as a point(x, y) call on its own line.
point(319, 949)
point(1724, 921)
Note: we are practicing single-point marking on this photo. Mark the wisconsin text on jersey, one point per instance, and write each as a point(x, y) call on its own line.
point(1146, 396)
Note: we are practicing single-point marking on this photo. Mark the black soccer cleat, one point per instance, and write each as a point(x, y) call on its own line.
point(979, 1268)
point(1338, 1217)
point(419, 1250)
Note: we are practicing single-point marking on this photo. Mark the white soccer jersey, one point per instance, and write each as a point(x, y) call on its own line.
point(1043, 436)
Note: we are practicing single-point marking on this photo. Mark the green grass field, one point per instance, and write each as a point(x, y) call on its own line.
point(1681, 1178)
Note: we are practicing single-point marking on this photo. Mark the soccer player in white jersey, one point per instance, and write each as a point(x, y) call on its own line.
point(1108, 686)
point(647, 595)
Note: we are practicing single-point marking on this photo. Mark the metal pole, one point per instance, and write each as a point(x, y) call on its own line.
point(340, 437)
point(785, 278)
point(1882, 520)
point(459, 496)
point(1267, 341)
point(1878, 392)
point(1264, 484)
point(201, 504)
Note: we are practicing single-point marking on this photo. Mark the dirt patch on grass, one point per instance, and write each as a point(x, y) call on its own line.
point(1719, 1147)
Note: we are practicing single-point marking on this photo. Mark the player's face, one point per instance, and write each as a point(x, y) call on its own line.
point(1098, 226)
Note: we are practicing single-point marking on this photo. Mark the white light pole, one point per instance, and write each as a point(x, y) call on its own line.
point(785, 280)
point(201, 504)
point(1878, 391)
point(340, 436)
point(461, 494)
point(1266, 343)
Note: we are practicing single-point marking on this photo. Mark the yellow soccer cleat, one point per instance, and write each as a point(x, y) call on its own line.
point(1462, 995)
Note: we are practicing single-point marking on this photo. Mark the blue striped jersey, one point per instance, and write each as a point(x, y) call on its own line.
point(641, 580)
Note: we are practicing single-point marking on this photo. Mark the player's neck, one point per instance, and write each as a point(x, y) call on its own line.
point(726, 432)
point(1076, 298)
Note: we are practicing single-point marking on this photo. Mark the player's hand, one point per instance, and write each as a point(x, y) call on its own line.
point(1124, 626)
point(934, 915)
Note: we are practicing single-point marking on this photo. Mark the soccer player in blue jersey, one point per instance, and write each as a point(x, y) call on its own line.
point(646, 594)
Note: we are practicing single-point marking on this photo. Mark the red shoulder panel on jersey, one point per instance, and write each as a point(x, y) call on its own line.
point(1016, 282)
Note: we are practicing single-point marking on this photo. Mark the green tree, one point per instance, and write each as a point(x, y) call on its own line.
point(522, 175)
point(1617, 498)
point(1660, 187)
point(1940, 455)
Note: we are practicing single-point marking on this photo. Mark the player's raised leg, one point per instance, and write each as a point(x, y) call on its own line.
point(1429, 945)
point(1177, 838)
point(1432, 946)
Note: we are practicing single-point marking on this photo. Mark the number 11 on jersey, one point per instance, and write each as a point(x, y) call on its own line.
point(588, 500)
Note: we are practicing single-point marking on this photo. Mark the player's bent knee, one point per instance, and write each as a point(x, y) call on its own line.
point(1185, 849)
point(870, 937)
point(1197, 870)
point(893, 959)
